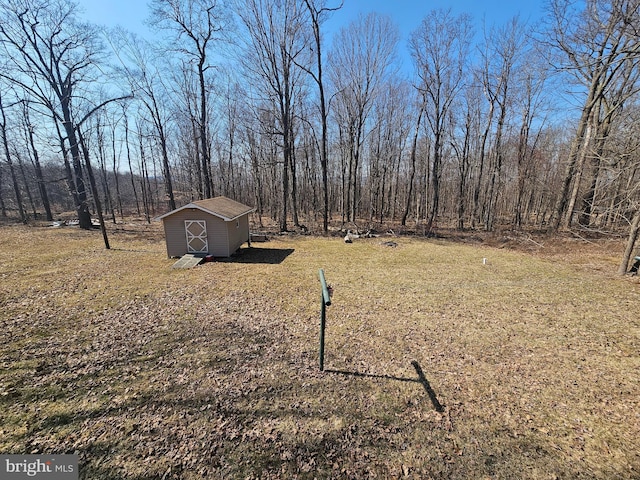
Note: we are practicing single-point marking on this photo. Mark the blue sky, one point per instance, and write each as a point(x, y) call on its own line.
point(406, 13)
point(409, 13)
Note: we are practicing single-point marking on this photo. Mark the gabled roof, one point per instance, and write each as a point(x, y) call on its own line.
point(221, 207)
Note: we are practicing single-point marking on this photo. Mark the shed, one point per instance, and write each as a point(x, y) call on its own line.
point(216, 226)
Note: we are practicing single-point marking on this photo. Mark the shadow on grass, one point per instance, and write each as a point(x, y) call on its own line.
point(133, 250)
point(260, 255)
point(245, 255)
point(427, 386)
point(421, 379)
point(172, 423)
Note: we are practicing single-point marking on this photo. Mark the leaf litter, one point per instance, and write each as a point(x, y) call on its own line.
point(149, 373)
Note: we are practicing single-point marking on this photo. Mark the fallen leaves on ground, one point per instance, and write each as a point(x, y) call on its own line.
point(152, 373)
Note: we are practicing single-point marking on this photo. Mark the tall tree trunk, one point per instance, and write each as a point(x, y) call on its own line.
point(71, 183)
point(82, 207)
point(42, 186)
point(463, 170)
point(356, 168)
point(476, 215)
point(3, 207)
point(197, 163)
point(231, 181)
point(589, 197)
point(116, 176)
point(323, 149)
point(257, 177)
point(25, 182)
point(561, 212)
point(578, 172)
point(103, 172)
point(133, 178)
point(155, 191)
point(166, 173)
point(204, 137)
point(144, 182)
point(349, 183)
point(94, 190)
point(436, 172)
point(285, 189)
point(14, 178)
point(523, 146)
point(412, 172)
point(315, 21)
point(496, 172)
point(294, 187)
point(602, 133)
point(631, 242)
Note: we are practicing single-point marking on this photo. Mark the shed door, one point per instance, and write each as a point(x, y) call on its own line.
point(196, 231)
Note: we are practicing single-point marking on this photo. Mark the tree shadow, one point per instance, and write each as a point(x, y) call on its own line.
point(421, 380)
point(259, 255)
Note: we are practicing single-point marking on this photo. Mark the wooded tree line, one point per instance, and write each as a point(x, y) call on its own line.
point(520, 125)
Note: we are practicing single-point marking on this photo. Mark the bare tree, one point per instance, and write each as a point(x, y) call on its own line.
point(463, 145)
point(531, 100)
point(230, 106)
point(129, 162)
point(93, 185)
point(51, 55)
point(618, 162)
point(363, 54)
point(604, 119)
point(8, 159)
point(3, 206)
point(318, 12)
point(634, 230)
point(505, 47)
point(143, 72)
point(98, 127)
point(186, 115)
point(391, 117)
point(35, 158)
point(627, 193)
point(595, 45)
point(145, 184)
point(440, 49)
point(25, 182)
point(277, 44)
point(422, 102)
point(197, 24)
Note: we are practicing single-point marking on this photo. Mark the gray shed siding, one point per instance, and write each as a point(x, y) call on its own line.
point(238, 232)
point(217, 233)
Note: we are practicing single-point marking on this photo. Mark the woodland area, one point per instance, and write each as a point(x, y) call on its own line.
point(524, 126)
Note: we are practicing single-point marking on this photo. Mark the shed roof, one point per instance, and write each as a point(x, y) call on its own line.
point(221, 207)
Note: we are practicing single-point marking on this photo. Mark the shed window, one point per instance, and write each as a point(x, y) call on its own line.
point(237, 223)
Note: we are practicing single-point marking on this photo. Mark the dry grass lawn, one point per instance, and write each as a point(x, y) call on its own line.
point(437, 365)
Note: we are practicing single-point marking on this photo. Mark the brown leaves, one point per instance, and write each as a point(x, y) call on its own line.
point(212, 373)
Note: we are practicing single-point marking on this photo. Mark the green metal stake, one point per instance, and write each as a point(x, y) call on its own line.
point(322, 325)
point(325, 301)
